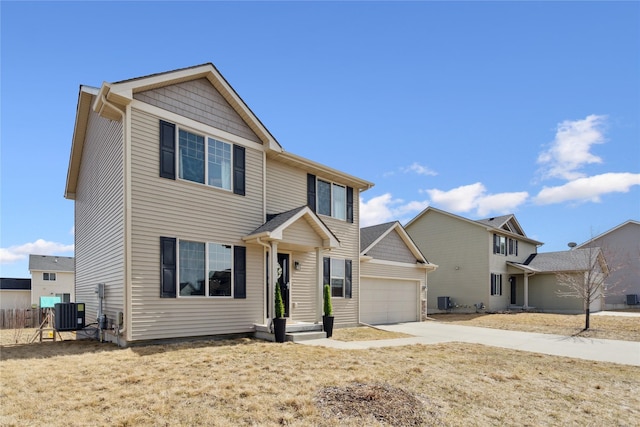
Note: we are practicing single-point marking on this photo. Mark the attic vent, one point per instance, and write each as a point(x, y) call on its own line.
point(491, 219)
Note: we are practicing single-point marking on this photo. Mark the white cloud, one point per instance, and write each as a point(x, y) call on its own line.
point(571, 148)
point(474, 197)
point(419, 169)
point(385, 208)
point(588, 189)
point(41, 247)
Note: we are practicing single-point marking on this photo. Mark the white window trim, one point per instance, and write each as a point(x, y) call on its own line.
point(206, 270)
point(49, 274)
point(206, 137)
point(331, 184)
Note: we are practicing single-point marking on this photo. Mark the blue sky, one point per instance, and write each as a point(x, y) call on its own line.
point(480, 109)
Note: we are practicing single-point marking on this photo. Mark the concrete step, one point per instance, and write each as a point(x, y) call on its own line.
point(305, 336)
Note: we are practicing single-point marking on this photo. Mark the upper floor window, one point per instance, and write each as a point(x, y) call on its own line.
point(513, 247)
point(191, 160)
point(201, 158)
point(499, 244)
point(332, 199)
point(48, 276)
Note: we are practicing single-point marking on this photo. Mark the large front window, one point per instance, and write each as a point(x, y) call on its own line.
point(198, 261)
point(332, 199)
point(191, 160)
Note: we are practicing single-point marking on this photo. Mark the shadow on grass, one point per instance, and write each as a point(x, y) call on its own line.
point(46, 350)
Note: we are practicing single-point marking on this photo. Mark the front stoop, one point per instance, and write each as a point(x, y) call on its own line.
point(295, 332)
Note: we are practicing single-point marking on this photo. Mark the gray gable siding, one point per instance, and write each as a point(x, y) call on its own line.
point(200, 101)
point(392, 248)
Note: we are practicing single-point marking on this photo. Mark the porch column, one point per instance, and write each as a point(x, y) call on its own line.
point(273, 268)
point(319, 285)
point(526, 291)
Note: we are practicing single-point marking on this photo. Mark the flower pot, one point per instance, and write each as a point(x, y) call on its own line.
point(280, 328)
point(327, 325)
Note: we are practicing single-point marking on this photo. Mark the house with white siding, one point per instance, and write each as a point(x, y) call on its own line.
point(51, 276)
point(188, 212)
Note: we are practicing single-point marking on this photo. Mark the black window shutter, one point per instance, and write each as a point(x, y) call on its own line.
point(167, 150)
point(239, 272)
point(311, 192)
point(238, 170)
point(168, 267)
point(347, 278)
point(326, 271)
point(495, 243)
point(350, 204)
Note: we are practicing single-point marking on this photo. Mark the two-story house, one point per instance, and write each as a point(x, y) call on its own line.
point(473, 259)
point(188, 212)
point(51, 276)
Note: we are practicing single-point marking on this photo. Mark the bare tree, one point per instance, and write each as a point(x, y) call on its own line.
point(586, 280)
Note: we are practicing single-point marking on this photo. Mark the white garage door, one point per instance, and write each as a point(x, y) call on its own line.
point(388, 301)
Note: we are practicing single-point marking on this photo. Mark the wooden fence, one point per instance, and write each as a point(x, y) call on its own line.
point(19, 318)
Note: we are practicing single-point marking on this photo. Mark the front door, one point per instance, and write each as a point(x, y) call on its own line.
point(283, 280)
point(512, 279)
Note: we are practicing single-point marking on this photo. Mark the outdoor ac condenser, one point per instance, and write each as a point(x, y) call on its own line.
point(69, 316)
point(633, 299)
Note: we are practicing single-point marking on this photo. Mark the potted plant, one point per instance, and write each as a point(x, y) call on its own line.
point(327, 318)
point(279, 321)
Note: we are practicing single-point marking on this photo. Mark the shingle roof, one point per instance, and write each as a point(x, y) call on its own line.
point(276, 221)
point(368, 235)
point(573, 260)
point(497, 221)
point(51, 263)
point(15, 284)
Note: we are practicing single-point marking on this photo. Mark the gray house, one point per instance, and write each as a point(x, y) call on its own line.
point(621, 248)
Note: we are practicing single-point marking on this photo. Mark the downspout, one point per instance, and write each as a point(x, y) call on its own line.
point(119, 330)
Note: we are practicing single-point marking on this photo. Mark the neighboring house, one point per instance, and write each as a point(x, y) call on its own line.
point(51, 276)
point(577, 266)
point(472, 258)
point(15, 293)
point(621, 249)
point(185, 204)
point(393, 276)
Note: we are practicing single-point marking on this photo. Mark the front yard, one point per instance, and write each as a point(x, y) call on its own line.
point(249, 382)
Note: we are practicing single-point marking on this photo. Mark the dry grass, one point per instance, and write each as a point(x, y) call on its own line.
point(248, 382)
point(365, 333)
point(605, 327)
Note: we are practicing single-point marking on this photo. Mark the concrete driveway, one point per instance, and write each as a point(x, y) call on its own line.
point(432, 332)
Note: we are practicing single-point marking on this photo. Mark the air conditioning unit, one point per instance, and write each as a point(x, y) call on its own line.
point(633, 299)
point(444, 303)
point(69, 316)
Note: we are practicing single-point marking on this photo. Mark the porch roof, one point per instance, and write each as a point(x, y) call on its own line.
point(273, 229)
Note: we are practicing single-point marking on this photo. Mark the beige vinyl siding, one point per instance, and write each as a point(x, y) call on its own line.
point(460, 250)
point(200, 101)
point(286, 189)
point(304, 291)
point(301, 233)
point(99, 219)
point(393, 271)
point(189, 211)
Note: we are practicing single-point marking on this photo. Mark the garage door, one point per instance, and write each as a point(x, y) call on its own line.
point(388, 301)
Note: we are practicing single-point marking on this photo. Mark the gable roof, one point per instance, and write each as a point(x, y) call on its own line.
point(371, 236)
point(15, 284)
point(562, 261)
point(51, 263)
point(505, 224)
point(112, 98)
point(274, 228)
point(601, 235)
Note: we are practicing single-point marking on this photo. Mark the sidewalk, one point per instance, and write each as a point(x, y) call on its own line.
point(432, 332)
